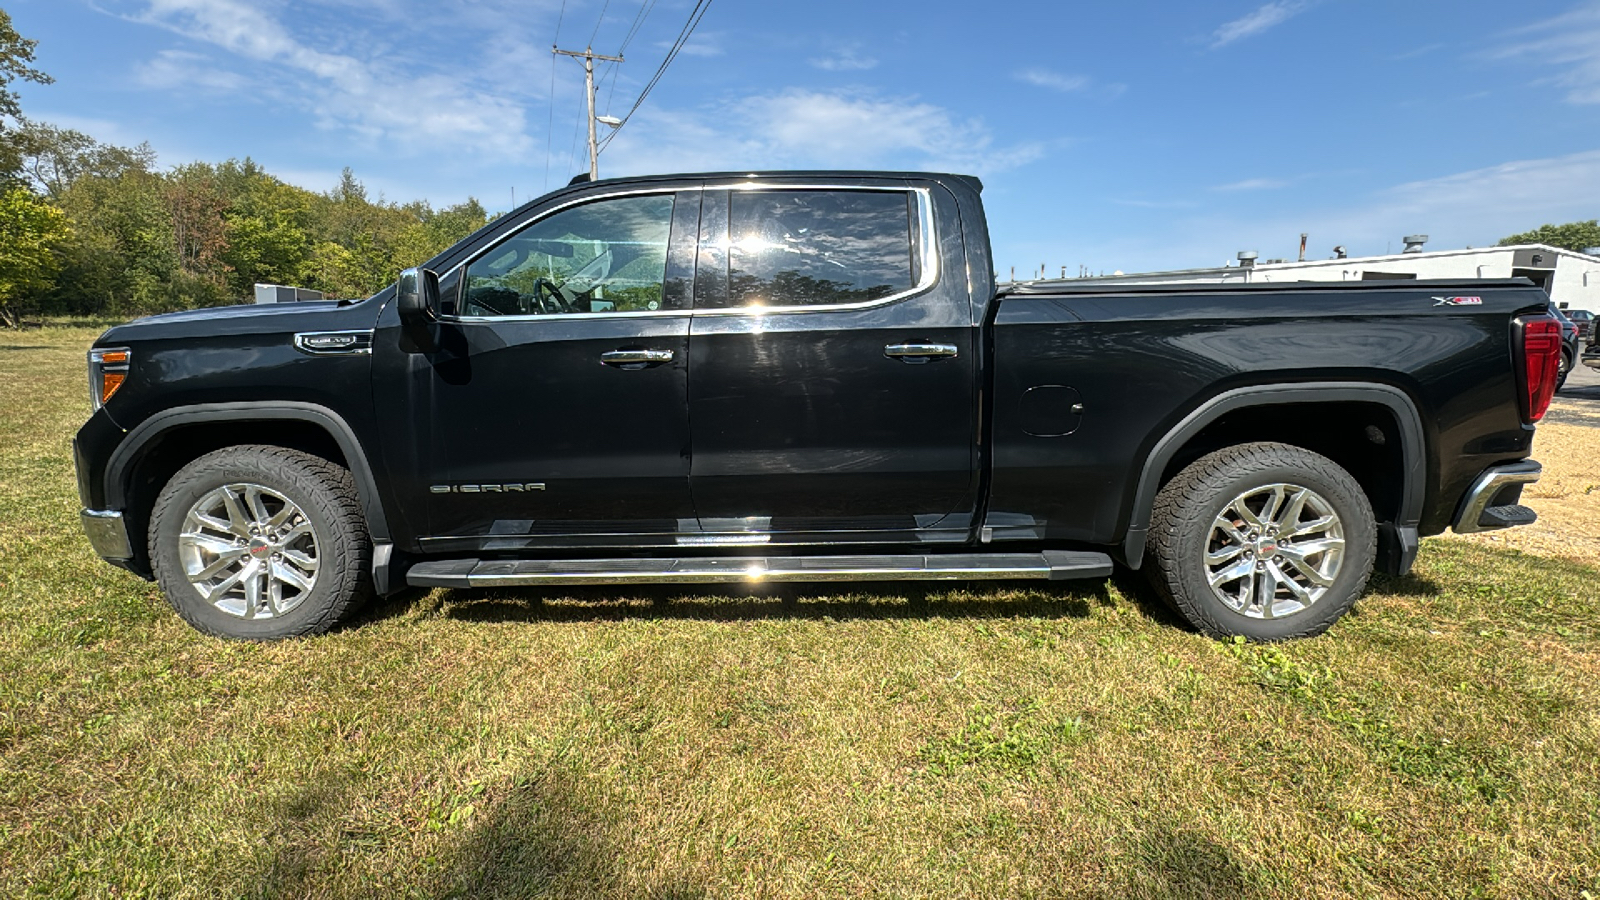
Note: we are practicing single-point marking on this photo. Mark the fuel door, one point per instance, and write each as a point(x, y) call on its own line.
point(1051, 410)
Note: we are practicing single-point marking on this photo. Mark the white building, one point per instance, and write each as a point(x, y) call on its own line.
point(1571, 279)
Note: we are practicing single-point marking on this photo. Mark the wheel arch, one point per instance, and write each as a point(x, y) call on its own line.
point(1397, 537)
point(172, 438)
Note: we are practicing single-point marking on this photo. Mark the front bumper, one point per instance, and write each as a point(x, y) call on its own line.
point(1491, 502)
point(108, 535)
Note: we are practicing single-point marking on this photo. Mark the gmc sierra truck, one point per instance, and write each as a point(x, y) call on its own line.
point(807, 376)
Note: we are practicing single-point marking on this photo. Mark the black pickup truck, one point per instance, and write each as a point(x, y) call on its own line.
point(800, 377)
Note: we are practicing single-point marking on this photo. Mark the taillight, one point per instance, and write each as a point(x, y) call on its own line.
point(108, 369)
point(1541, 363)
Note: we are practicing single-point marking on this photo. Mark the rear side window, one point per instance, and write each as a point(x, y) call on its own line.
point(818, 248)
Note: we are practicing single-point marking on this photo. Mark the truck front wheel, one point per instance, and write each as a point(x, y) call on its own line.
point(1264, 540)
point(260, 543)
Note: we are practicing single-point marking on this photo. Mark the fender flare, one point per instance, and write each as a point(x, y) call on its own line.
point(1413, 445)
point(129, 452)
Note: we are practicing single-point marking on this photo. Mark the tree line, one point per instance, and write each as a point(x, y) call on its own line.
point(88, 228)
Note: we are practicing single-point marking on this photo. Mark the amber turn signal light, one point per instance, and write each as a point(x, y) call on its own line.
point(108, 369)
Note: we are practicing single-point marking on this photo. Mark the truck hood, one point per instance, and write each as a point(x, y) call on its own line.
point(265, 318)
point(243, 311)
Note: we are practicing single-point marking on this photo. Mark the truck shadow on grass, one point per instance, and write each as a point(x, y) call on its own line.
point(838, 602)
point(538, 834)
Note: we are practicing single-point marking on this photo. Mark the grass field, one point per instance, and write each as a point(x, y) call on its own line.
point(1442, 741)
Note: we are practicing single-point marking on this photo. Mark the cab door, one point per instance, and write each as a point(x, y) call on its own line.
point(832, 369)
point(558, 397)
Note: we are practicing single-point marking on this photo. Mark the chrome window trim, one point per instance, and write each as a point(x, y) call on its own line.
point(927, 250)
point(563, 317)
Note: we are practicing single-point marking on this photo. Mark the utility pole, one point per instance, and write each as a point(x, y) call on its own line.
point(589, 56)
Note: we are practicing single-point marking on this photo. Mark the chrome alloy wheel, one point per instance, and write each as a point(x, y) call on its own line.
point(249, 551)
point(1274, 551)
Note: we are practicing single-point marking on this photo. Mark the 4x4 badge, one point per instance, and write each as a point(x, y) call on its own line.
point(1458, 301)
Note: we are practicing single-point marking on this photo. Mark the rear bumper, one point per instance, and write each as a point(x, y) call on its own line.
point(108, 535)
point(1491, 502)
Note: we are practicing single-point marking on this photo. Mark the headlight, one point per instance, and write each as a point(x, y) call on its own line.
point(108, 369)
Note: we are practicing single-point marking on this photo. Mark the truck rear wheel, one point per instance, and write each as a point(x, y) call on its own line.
point(261, 543)
point(1264, 540)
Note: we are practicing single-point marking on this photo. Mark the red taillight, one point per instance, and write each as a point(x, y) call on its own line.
point(1541, 361)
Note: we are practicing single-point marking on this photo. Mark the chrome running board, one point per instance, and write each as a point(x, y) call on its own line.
point(1054, 565)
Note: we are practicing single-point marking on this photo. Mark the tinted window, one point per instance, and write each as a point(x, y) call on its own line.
point(606, 256)
point(806, 248)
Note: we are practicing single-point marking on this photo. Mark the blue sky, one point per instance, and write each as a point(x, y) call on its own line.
point(1137, 135)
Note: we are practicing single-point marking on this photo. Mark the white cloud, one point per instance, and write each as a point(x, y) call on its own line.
point(1267, 16)
point(846, 59)
point(172, 69)
point(376, 97)
point(799, 128)
point(1253, 184)
point(1571, 40)
point(702, 43)
point(1494, 201)
point(1155, 204)
point(1475, 208)
point(1069, 84)
point(1055, 81)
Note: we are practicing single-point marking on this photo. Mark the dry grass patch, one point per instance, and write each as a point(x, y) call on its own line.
point(895, 741)
point(1567, 496)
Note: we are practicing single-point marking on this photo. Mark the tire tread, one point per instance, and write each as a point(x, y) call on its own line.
point(1181, 501)
point(351, 562)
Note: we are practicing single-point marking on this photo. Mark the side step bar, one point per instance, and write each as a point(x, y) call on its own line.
point(1053, 565)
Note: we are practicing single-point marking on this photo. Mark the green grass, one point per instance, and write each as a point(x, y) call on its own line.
point(1442, 741)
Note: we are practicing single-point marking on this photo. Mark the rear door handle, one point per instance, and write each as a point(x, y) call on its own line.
point(635, 357)
point(919, 351)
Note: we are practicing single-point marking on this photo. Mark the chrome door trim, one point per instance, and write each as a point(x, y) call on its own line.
point(928, 254)
point(626, 357)
point(920, 350)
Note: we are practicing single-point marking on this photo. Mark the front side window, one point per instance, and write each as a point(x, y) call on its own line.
point(813, 248)
point(606, 256)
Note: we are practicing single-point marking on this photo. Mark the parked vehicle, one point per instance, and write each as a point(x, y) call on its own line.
point(1591, 355)
point(798, 377)
point(1569, 345)
point(1584, 319)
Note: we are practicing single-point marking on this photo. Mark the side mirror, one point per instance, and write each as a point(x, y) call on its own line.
point(417, 301)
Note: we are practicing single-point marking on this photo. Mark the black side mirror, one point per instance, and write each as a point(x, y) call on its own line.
point(417, 301)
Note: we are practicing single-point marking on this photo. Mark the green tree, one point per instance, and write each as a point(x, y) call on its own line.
point(124, 238)
point(269, 228)
point(53, 158)
point(16, 53)
point(30, 231)
point(1579, 236)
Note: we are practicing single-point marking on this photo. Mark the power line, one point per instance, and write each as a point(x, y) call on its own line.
point(603, 8)
point(645, 6)
point(550, 127)
point(644, 13)
point(695, 16)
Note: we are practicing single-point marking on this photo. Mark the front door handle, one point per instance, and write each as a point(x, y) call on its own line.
point(636, 357)
point(915, 352)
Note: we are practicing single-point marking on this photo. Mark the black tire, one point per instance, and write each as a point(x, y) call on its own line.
point(327, 502)
point(1181, 534)
point(1563, 370)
